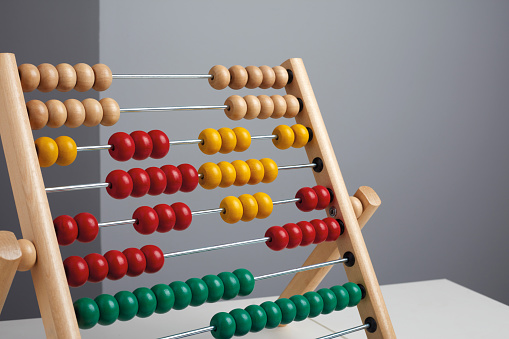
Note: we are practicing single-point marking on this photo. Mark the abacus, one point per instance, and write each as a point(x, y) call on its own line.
point(338, 237)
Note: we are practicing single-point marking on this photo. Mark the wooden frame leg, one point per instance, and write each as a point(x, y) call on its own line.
point(10, 257)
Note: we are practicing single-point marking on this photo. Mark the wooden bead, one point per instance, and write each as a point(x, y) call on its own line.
point(103, 77)
point(301, 136)
point(228, 174)
point(37, 114)
point(85, 77)
point(267, 106)
point(238, 76)
point(308, 199)
point(269, 77)
point(292, 106)
point(253, 107)
point(47, 151)
point(232, 209)
point(220, 77)
point(189, 177)
point(28, 255)
point(57, 113)
point(29, 76)
point(257, 171)
point(281, 77)
point(278, 238)
point(211, 175)
point(243, 139)
point(66, 77)
point(357, 206)
point(254, 77)
point(212, 141)
point(49, 77)
point(111, 112)
point(265, 205)
point(67, 150)
point(75, 113)
point(237, 107)
point(270, 170)
point(249, 207)
point(242, 172)
point(279, 106)
point(93, 112)
point(285, 137)
point(228, 140)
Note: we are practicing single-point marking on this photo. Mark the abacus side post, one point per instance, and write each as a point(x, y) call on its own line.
point(10, 256)
point(34, 215)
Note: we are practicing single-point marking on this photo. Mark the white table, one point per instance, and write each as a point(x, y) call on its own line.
point(427, 309)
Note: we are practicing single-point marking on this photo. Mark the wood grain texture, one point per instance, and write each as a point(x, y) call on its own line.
point(10, 256)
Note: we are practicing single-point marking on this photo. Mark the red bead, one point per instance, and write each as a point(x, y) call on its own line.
point(121, 184)
point(88, 228)
point(143, 145)
point(183, 216)
point(160, 142)
point(76, 270)
point(173, 179)
point(141, 182)
point(66, 229)
point(146, 220)
point(308, 199)
point(157, 180)
point(323, 197)
point(122, 146)
point(155, 258)
point(166, 217)
point(136, 261)
point(308, 233)
point(189, 177)
point(321, 229)
point(117, 264)
point(278, 238)
point(97, 266)
point(294, 233)
point(334, 229)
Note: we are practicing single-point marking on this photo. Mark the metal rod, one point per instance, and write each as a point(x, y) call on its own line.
point(162, 76)
point(76, 187)
point(287, 201)
point(215, 210)
point(186, 142)
point(93, 148)
point(300, 269)
point(264, 137)
point(171, 108)
point(117, 223)
point(348, 331)
point(281, 168)
point(190, 333)
point(216, 247)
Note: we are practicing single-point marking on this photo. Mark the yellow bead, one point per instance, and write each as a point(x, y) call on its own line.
point(265, 205)
point(270, 170)
point(67, 151)
point(243, 139)
point(232, 209)
point(47, 151)
point(211, 143)
point(228, 140)
point(285, 137)
point(250, 207)
point(242, 172)
point(301, 135)
point(257, 171)
point(228, 174)
point(211, 175)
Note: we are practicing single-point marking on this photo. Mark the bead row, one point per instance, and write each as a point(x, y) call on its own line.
point(237, 77)
point(62, 151)
point(64, 77)
point(139, 145)
point(262, 107)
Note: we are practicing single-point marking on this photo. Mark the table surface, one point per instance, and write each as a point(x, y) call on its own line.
point(426, 309)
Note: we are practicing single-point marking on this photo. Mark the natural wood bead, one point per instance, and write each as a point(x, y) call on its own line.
point(75, 113)
point(281, 77)
point(85, 77)
point(28, 255)
point(49, 77)
point(57, 113)
point(220, 77)
point(237, 107)
point(103, 77)
point(238, 76)
point(111, 112)
point(279, 106)
point(357, 206)
point(292, 106)
point(93, 112)
point(37, 114)
point(254, 77)
point(66, 77)
point(267, 106)
point(29, 76)
point(269, 77)
point(253, 107)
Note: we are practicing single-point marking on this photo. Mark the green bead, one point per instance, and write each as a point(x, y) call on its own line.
point(315, 303)
point(231, 285)
point(273, 312)
point(258, 317)
point(329, 300)
point(343, 299)
point(108, 309)
point(87, 312)
point(246, 280)
point(224, 325)
point(215, 286)
point(164, 296)
point(354, 292)
point(127, 304)
point(288, 310)
point(243, 321)
point(147, 302)
point(302, 306)
point(183, 294)
point(199, 291)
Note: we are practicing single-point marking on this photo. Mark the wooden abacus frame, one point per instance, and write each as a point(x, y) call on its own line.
point(36, 223)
